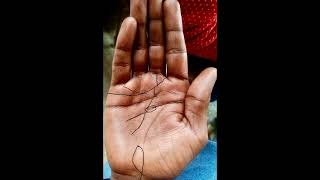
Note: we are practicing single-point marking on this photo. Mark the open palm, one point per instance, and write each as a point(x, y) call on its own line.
point(155, 121)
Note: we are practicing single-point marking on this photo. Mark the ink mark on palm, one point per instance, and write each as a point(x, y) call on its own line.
point(141, 172)
point(149, 109)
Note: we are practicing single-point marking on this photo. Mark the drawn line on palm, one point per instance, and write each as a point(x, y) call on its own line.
point(149, 109)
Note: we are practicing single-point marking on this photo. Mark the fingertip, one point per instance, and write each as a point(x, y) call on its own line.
point(211, 72)
point(127, 34)
point(130, 21)
point(170, 3)
point(202, 85)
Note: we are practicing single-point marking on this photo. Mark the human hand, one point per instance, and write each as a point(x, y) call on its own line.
point(155, 121)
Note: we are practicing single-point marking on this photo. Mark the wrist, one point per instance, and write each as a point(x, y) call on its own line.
point(117, 176)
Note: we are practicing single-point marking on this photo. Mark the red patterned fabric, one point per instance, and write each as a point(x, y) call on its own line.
point(200, 27)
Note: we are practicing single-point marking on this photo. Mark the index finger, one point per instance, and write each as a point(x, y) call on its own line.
point(138, 10)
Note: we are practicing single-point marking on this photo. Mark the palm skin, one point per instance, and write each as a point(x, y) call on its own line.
point(155, 121)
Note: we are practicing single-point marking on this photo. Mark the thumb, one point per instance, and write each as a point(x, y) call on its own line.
point(198, 98)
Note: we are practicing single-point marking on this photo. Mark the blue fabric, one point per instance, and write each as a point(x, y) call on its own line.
point(106, 171)
point(203, 167)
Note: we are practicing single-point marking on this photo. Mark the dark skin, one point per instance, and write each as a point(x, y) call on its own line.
point(155, 121)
